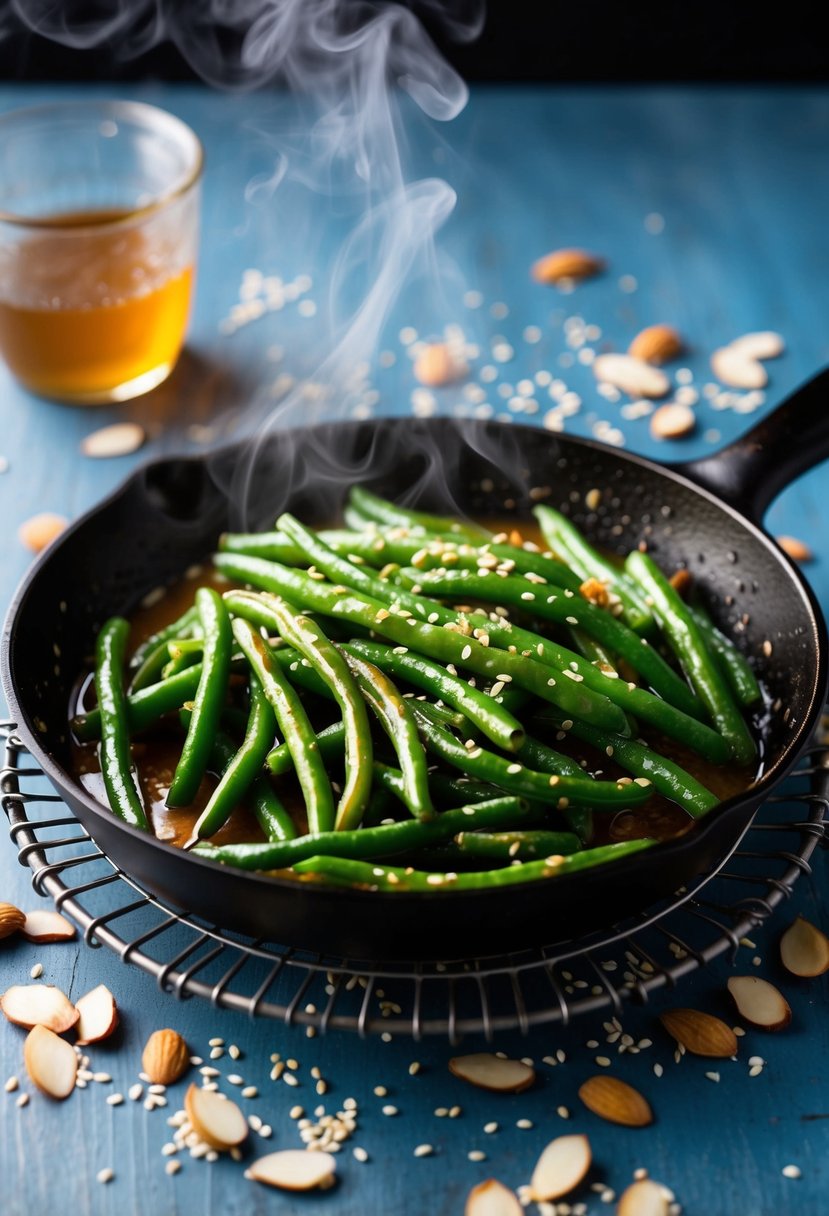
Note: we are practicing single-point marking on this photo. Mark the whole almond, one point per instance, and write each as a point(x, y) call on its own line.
point(11, 920)
point(566, 264)
point(700, 1033)
point(673, 422)
point(166, 1057)
point(438, 365)
point(615, 1101)
point(797, 550)
point(39, 531)
point(656, 344)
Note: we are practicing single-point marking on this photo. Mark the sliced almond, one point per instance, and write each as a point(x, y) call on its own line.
point(700, 1033)
point(293, 1169)
point(763, 345)
point(98, 1015)
point(491, 1072)
point(437, 365)
point(797, 550)
point(759, 1003)
point(673, 422)
point(737, 369)
point(633, 376)
point(39, 1005)
point(566, 264)
point(643, 1198)
point(492, 1198)
point(656, 344)
point(39, 531)
point(166, 1057)
point(50, 1061)
point(560, 1168)
point(804, 949)
point(42, 925)
point(217, 1120)
point(616, 1101)
point(11, 920)
point(120, 439)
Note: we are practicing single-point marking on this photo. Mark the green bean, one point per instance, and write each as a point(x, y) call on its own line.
point(397, 719)
point(150, 670)
point(273, 818)
point(185, 626)
point(439, 713)
point(668, 777)
point(389, 514)
point(688, 644)
point(180, 662)
point(538, 755)
point(493, 556)
point(483, 711)
point(209, 699)
point(294, 724)
point(437, 643)
point(330, 742)
point(451, 790)
point(735, 666)
point(516, 778)
point(564, 537)
point(343, 871)
point(564, 608)
point(300, 671)
point(517, 846)
point(383, 804)
point(309, 639)
point(144, 707)
point(116, 758)
point(243, 769)
point(373, 842)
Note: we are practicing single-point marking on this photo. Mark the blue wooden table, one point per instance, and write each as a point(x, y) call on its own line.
point(710, 208)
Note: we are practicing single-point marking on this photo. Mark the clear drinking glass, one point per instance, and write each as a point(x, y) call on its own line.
point(99, 208)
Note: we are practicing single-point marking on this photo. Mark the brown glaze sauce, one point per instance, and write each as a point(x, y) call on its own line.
point(156, 755)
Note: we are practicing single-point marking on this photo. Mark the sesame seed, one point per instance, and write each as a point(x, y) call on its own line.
point(172, 1167)
point(215, 1042)
point(490, 1128)
point(115, 1099)
point(11, 1085)
point(658, 1070)
point(603, 1061)
point(250, 1091)
point(235, 1079)
point(441, 1112)
point(414, 1068)
point(791, 1171)
point(390, 1110)
point(380, 1091)
point(22, 1100)
point(105, 1175)
point(102, 1077)
point(455, 1111)
point(475, 1154)
point(135, 1092)
point(360, 1154)
point(562, 1112)
point(216, 1053)
point(713, 1076)
point(423, 1150)
point(207, 1071)
point(157, 1089)
point(524, 1124)
point(36, 971)
point(466, 652)
point(288, 1078)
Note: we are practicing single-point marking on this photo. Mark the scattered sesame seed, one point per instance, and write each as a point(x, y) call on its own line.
point(172, 1167)
point(102, 1077)
point(423, 1150)
point(713, 1076)
point(360, 1154)
point(603, 1061)
point(524, 1124)
point(22, 1100)
point(791, 1171)
point(11, 1085)
point(491, 1128)
point(115, 1099)
point(658, 1070)
point(476, 1154)
point(414, 1068)
point(250, 1091)
point(105, 1175)
point(36, 971)
point(562, 1112)
point(390, 1110)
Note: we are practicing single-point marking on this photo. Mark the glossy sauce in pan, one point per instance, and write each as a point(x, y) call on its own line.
point(156, 754)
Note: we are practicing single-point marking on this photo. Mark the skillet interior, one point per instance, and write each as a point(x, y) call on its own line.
point(168, 515)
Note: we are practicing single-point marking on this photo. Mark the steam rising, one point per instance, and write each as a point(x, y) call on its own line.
point(354, 68)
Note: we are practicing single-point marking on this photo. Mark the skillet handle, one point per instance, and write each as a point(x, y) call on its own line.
point(752, 471)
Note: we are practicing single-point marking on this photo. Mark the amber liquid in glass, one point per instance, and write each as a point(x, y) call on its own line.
point(94, 315)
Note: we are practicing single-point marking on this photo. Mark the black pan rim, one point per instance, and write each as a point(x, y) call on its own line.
point(770, 779)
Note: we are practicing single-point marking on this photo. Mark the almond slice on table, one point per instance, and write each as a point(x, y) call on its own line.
point(492, 1198)
point(738, 370)
point(561, 1167)
point(616, 1101)
point(804, 949)
point(700, 1033)
point(656, 344)
point(759, 1003)
point(39, 531)
point(166, 1057)
point(488, 1071)
point(50, 1061)
point(31, 1005)
point(633, 376)
point(120, 439)
point(673, 422)
point(11, 919)
point(98, 1015)
point(566, 264)
point(643, 1198)
point(294, 1169)
point(765, 344)
point(797, 550)
point(217, 1120)
point(438, 365)
point(43, 925)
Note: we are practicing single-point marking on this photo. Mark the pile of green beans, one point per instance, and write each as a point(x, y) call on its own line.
point(454, 662)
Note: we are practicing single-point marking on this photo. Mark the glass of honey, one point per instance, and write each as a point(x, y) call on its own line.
point(99, 209)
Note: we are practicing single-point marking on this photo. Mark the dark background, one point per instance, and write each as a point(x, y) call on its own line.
point(553, 40)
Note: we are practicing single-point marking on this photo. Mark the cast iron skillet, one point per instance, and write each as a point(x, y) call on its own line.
point(704, 515)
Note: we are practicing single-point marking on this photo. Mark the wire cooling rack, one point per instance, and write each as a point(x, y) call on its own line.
point(628, 962)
